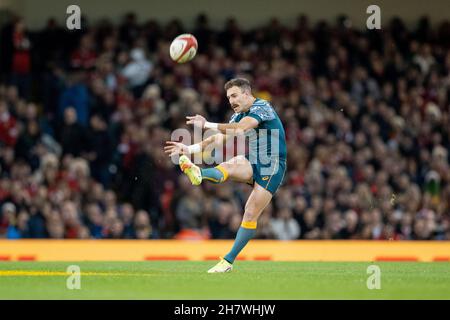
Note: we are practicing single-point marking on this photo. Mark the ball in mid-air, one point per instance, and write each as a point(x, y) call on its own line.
point(183, 48)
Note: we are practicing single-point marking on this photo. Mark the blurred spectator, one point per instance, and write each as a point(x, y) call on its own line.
point(285, 227)
point(71, 134)
point(190, 210)
point(21, 59)
point(84, 57)
point(222, 225)
point(99, 149)
point(76, 96)
point(127, 216)
point(137, 71)
point(142, 225)
point(8, 126)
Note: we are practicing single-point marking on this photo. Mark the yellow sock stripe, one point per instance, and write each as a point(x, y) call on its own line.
point(248, 224)
point(224, 172)
point(211, 179)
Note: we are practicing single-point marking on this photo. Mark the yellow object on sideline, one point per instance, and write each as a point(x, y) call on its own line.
point(301, 250)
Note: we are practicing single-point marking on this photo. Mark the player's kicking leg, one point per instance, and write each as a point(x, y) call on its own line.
point(237, 169)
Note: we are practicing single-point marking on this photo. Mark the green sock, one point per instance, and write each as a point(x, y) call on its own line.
point(243, 236)
point(215, 175)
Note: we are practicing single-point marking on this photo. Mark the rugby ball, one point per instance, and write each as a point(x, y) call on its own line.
point(183, 48)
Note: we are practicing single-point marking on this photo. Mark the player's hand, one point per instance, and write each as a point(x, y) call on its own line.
point(175, 148)
point(197, 120)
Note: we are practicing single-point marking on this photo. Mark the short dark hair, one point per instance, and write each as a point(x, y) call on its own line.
point(238, 82)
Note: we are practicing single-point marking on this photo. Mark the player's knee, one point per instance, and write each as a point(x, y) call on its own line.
point(227, 167)
point(250, 216)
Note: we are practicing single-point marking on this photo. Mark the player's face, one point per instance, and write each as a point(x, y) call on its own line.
point(238, 99)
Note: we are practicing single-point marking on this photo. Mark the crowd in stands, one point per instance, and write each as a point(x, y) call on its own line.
point(84, 116)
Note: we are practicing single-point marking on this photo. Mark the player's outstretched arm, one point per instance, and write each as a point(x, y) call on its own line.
point(245, 124)
point(178, 148)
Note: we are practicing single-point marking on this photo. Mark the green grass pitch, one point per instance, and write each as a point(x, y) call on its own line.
point(249, 280)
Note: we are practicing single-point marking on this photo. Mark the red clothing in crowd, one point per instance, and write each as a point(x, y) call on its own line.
point(21, 57)
point(8, 129)
point(84, 59)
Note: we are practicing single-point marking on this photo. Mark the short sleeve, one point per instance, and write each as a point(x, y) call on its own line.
point(261, 112)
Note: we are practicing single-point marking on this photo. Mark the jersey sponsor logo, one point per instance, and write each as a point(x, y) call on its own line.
point(265, 178)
